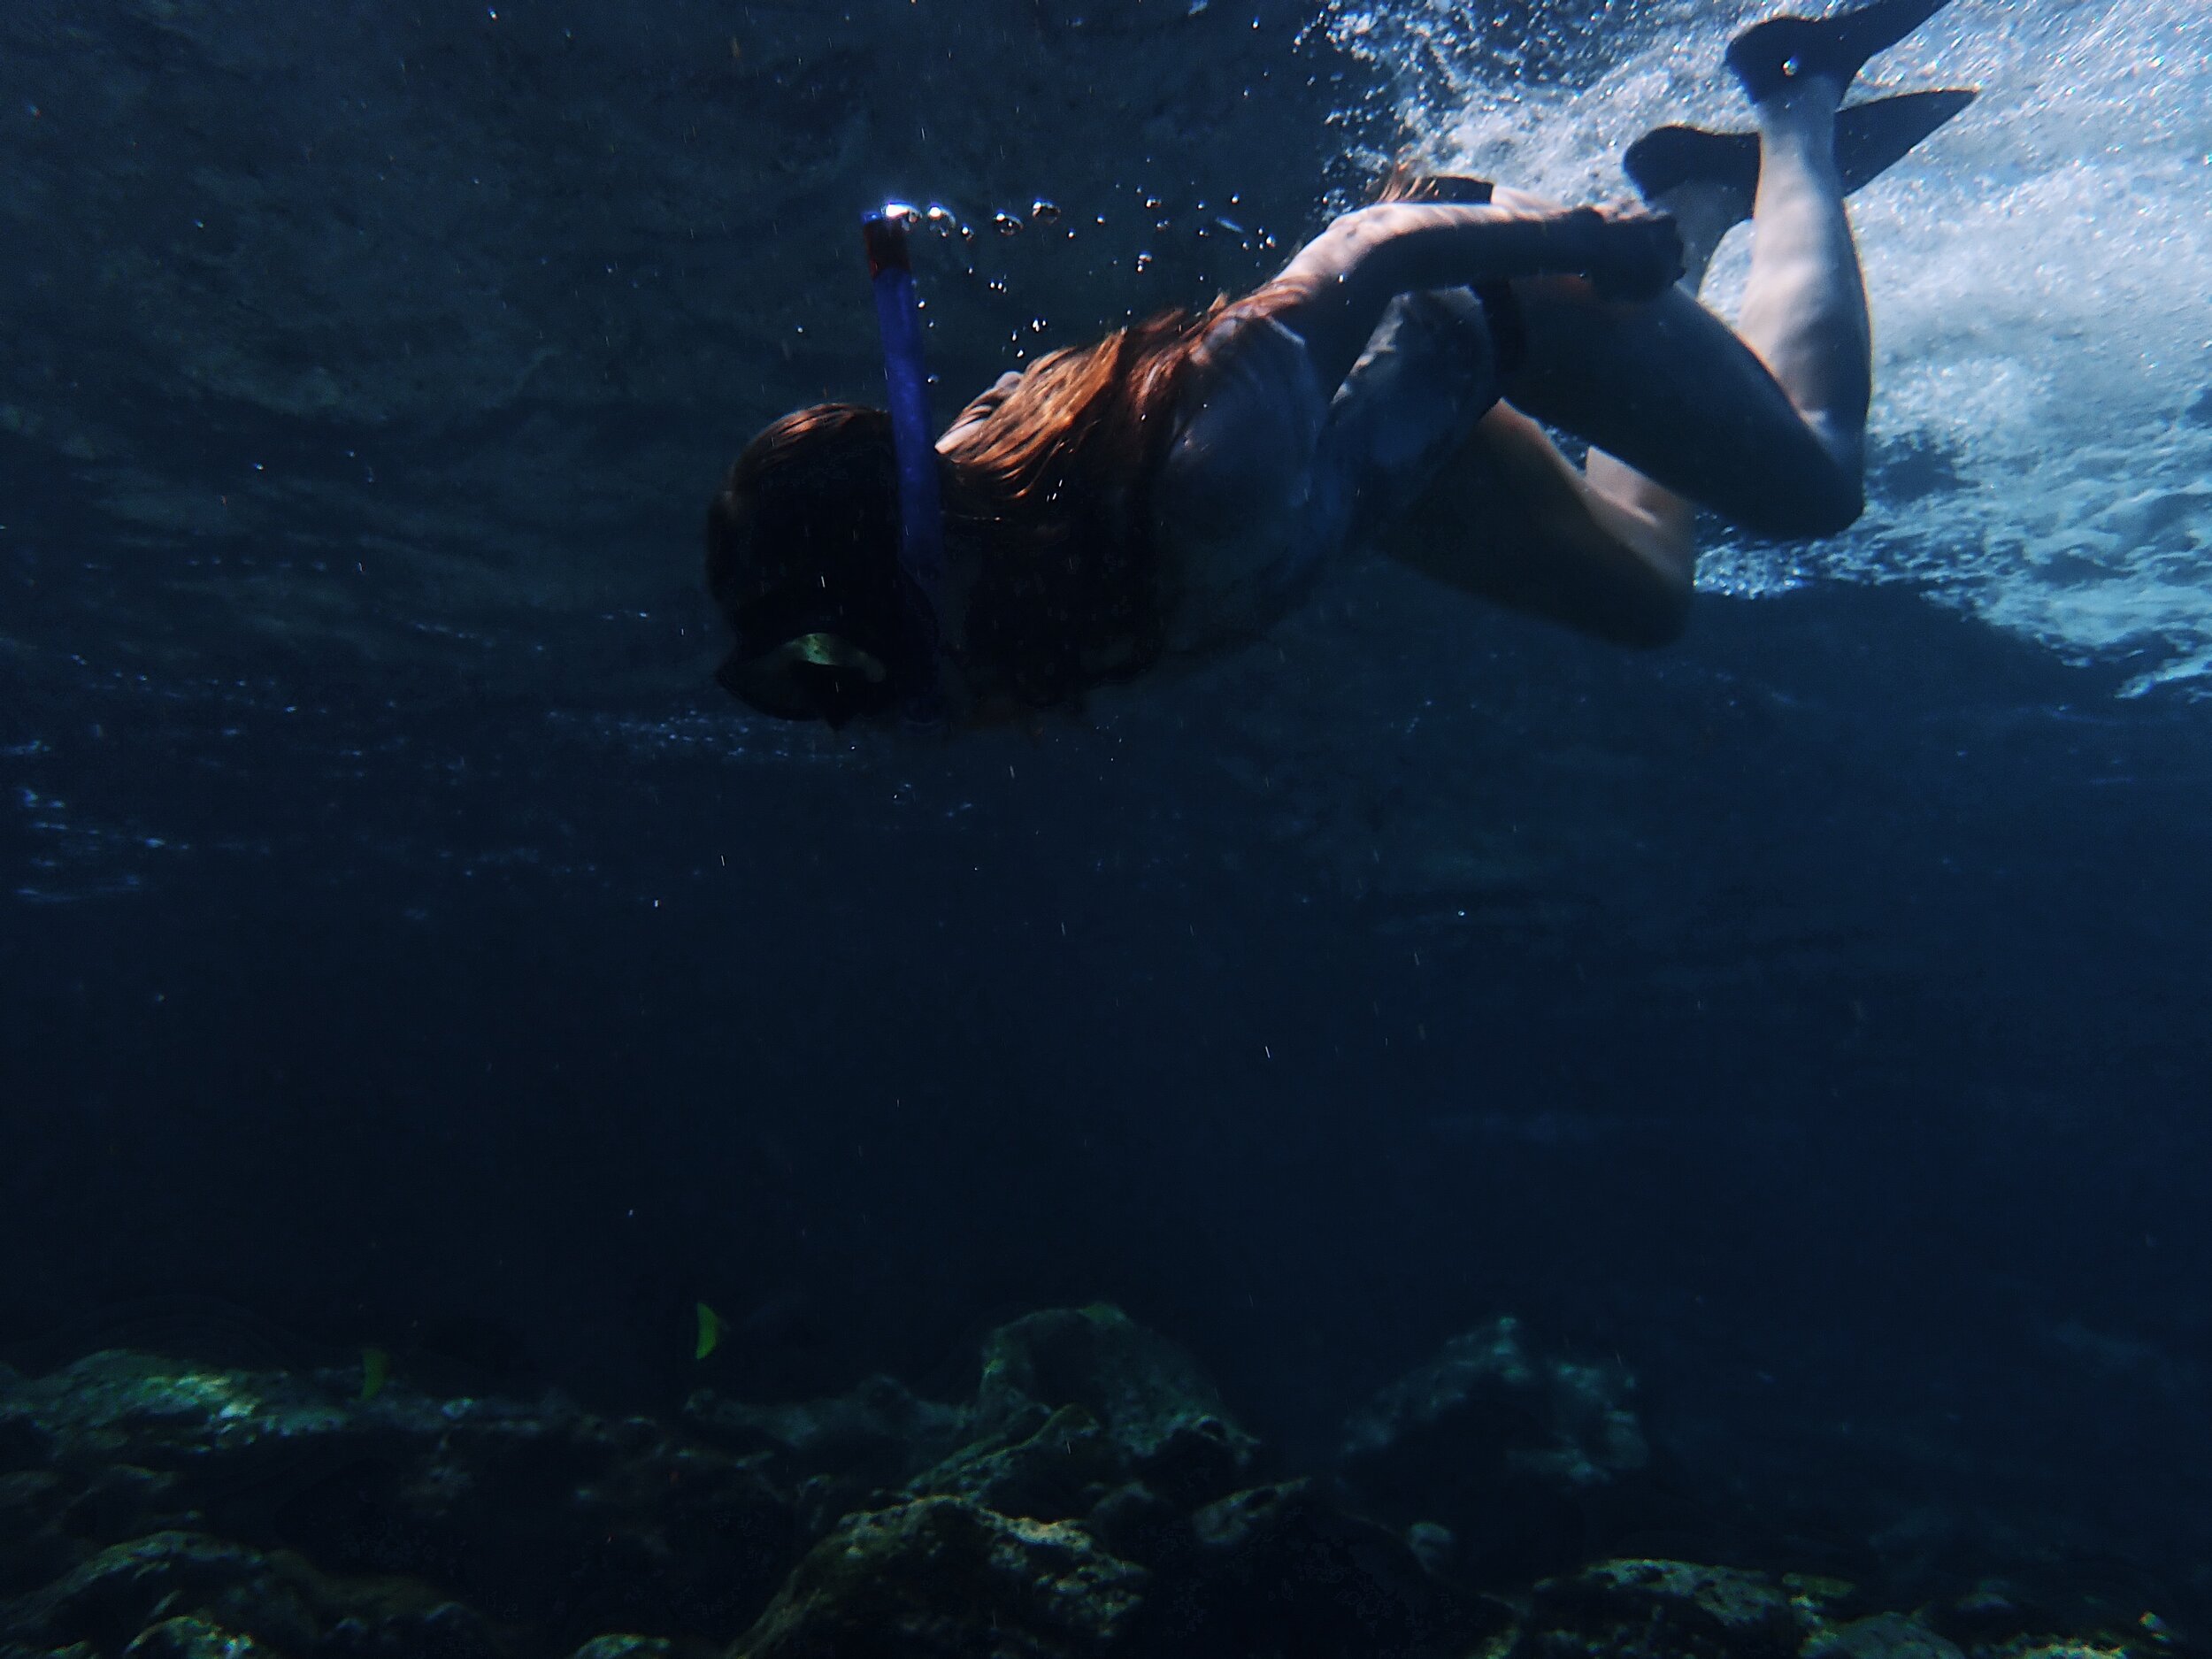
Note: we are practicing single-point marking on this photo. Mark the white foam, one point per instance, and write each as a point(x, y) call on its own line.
point(2041, 274)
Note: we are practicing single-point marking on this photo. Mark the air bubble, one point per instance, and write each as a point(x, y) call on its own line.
point(1007, 223)
point(1037, 325)
point(1144, 261)
point(1044, 213)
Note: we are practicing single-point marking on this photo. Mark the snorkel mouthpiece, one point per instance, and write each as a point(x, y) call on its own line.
point(921, 518)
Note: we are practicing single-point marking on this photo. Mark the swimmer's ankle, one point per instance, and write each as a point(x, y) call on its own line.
point(1704, 211)
point(1804, 99)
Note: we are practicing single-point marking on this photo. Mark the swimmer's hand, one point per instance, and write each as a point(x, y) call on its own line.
point(1635, 254)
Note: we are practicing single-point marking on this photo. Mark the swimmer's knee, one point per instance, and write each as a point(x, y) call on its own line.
point(1826, 503)
point(1662, 618)
point(1643, 617)
point(1834, 507)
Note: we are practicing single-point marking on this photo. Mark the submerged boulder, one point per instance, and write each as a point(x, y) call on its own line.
point(948, 1577)
point(191, 1638)
point(880, 1432)
point(176, 1471)
point(851, 1451)
point(1285, 1570)
point(1151, 1401)
point(1680, 1609)
point(625, 1647)
point(1883, 1636)
point(1056, 1473)
point(1072, 1403)
point(1530, 1461)
point(112, 1598)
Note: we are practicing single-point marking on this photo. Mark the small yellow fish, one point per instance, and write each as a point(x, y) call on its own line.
point(376, 1371)
point(710, 1332)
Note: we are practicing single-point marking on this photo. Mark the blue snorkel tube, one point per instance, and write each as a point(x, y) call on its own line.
point(921, 516)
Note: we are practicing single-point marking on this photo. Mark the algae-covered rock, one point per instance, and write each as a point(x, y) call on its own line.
point(852, 1451)
point(1150, 1399)
point(1532, 1460)
point(882, 1433)
point(1072, 1403)
point(24, 1444)
point(1284, 1570)
point(450, 1629)
point(625, 1647)
point(945, 1576)
point(188, 1637)
point(110, 1599)
point(32, 1551)
point(1676, 1607)
point(1883, 1636)
point(485, 1502)
point(1055, 1474)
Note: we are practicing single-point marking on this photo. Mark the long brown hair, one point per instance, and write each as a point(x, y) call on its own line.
point(1054, 481)
point(1050, 480)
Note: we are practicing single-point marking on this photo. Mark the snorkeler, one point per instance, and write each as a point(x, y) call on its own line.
point(1173, 490)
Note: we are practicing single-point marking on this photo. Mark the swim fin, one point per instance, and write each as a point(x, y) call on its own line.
point(1768, 56)
point(1871, 138)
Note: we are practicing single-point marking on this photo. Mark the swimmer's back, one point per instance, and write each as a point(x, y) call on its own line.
point(1269, 475)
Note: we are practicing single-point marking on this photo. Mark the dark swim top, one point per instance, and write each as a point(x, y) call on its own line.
point(1270, 474)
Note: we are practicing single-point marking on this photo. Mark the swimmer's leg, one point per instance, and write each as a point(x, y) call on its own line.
point(1608, 549)
point(1763, 425)
point(1766, 427)
point(1511, 520)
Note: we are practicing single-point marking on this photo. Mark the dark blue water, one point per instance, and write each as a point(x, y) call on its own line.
point(1811, 1017)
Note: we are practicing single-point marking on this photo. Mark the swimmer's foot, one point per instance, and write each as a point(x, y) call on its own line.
point(1871, 138)
point(1768, 56)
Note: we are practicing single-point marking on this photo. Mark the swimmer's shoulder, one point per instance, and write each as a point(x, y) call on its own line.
point(1247, 418)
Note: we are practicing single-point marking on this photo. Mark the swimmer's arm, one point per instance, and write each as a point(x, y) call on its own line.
point(1333, 294)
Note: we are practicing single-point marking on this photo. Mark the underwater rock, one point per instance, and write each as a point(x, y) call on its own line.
point(108, 1599)
point(1057, 1473)
point(1680, 1608)
point(23, 1443)
point(446, 1630)
point(1150, 1399)
point(486, 1501)
point(1530, 1461)
point(1085, 1505)
point(1071, 1404)
point(945, 1576)
point(32, 1551)
point(1283, 1569)
point(625, 1647)
point(1883, 1636)
point(190, 1638)
point(848, 1452)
